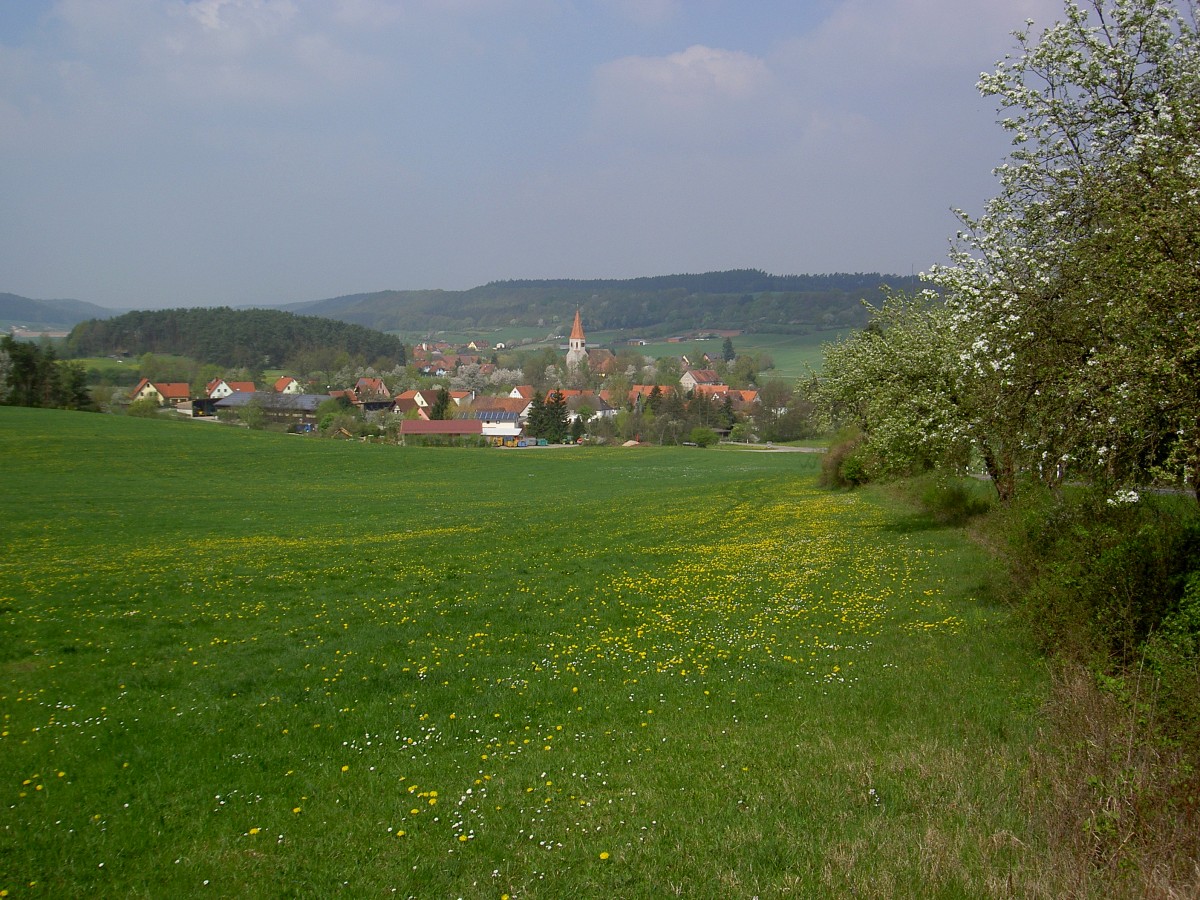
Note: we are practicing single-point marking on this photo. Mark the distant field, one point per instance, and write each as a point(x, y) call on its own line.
point(244, 664)
point(791, 353)
point(510, 336)
point(106, 364)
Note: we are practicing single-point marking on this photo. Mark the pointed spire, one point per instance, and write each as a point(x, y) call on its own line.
point(577, 346)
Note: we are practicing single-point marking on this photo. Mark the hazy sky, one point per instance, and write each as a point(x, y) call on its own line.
point(203, 152)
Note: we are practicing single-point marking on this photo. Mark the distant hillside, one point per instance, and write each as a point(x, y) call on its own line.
point(48, 314)
point(739, 299)
point(232, 337)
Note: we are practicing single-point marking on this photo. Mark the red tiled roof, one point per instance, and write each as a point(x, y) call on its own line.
point(425, 398)
point(371, 386)
point(601, 359)
point(645, 390)
point(173, 390)
point(407, 405)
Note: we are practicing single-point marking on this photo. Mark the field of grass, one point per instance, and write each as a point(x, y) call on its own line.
point(793, 354)
point(106, 364)
point(510, 335)
point(244, 664)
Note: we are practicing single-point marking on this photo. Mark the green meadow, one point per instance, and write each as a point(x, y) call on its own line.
point(793, 355)
point(244, 664)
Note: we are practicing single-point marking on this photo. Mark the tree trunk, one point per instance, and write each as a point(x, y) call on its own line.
point(1001, 472)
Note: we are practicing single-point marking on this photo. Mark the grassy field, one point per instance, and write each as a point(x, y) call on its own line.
point(244, 664)
point(510, 335)
point(793, 354)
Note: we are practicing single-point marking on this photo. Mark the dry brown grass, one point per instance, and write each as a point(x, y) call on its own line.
point(1118, 804)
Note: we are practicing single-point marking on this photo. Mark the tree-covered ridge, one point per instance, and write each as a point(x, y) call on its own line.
point(47, 313)
point(230, 337)
point(744, 299)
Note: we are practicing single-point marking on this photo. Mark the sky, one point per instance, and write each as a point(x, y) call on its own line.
point(159, 153)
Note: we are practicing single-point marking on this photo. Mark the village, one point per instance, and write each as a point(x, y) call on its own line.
point(444, 414)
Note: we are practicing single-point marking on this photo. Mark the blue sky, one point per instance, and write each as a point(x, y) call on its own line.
point(202, 152)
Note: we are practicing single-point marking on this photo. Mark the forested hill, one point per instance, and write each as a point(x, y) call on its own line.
point(743, 298)
point(231, 337)
point(16, 310)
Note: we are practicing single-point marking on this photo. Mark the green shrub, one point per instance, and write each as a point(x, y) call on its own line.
point(146, 408)
point(854, 469)
point(1097, 577)
point(952, 502)
point(844, 465)
point(1172, 656)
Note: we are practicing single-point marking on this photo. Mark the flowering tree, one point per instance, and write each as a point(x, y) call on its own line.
point(1074, 297)
point(896, 381)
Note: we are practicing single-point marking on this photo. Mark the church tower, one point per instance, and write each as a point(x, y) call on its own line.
point(576, 345)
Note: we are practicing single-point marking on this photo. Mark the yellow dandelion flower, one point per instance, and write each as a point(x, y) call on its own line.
point(604, 854)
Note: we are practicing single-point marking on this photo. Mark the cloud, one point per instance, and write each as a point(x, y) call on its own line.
point(239, 16)
point(173, 53)
point(697, 92)
point(854, 138)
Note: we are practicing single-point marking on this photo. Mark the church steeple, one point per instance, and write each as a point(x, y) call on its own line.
point(576, 345)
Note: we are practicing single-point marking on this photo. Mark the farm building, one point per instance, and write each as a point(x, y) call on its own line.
point(440, 430)
point(278, 409)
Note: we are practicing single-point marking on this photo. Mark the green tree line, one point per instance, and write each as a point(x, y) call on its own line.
point(33, 375)
point(248, 338)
